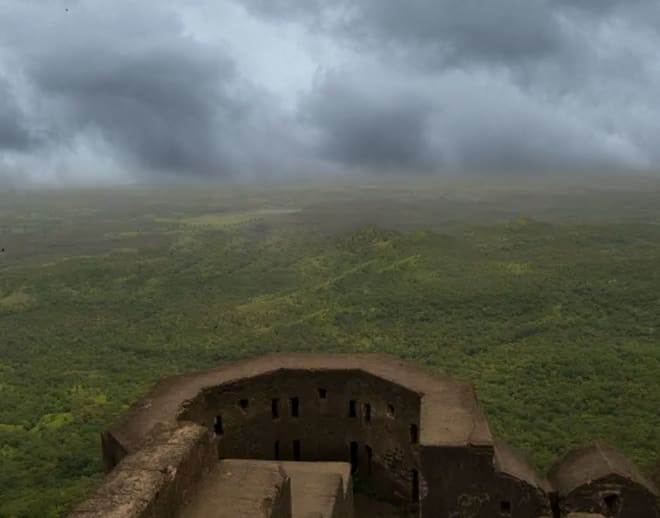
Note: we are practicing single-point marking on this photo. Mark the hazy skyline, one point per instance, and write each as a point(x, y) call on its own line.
point(115, 91)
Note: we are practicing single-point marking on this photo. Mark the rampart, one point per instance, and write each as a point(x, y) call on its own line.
point(415, 438)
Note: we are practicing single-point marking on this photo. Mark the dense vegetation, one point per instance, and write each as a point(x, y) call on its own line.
point(549, 302)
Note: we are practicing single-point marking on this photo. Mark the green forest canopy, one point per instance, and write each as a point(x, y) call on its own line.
point(547, 300)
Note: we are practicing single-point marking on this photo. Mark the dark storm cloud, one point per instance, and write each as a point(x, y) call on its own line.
point(513, 84)
point(506, 30)
point(170, 109)
point(435, 30)
point(366, 129)
point(209, 89)
point(14, 131)
point(162, 102)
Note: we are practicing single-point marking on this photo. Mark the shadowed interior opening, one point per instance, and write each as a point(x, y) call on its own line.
point(354, 457)
point(217, 425)
point(296, 450)
point(352, 408)
point(612, 503)
point(415, 486)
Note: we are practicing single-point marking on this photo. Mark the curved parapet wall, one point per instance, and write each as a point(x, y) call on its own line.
point(409, 434)
point(595, 478)
point(449, 408)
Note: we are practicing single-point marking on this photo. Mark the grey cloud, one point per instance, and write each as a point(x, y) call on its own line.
point(422, 85)
point(366, 129)
point(549, 84)
point(162, 101)
point(465, 121)
point(506, 30)
point(14, 131)
point(437, 31)
point(170, 109)
point(455, 30)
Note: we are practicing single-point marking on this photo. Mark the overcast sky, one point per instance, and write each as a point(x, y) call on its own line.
point(124, 89)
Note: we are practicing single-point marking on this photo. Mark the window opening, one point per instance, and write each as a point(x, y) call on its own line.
point(369, 457)
point(217, 426)
point(295, 407)
point(367, 412)
point(414, 434)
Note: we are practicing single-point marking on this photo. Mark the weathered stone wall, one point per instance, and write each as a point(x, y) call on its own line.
point(113, 452)
point(463, 483)
point(350, 409)
point(241, 488)
point(254, 419)
point(612, 496)
point(152, 482)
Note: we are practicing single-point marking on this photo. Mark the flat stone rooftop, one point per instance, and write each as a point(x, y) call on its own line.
point(320, 489)
point(255, 488)
point(241, 488)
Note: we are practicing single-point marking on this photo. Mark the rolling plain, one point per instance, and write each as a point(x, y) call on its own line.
point(545, 295)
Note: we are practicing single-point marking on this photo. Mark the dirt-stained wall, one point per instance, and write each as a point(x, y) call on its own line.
point(470, 487)
point(306, 415)
point(613, 496)
point(153, 481)
point(366, 411)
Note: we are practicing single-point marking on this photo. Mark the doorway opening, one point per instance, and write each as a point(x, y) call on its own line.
point(415, 486)
point(354, 457)
point(296, 450)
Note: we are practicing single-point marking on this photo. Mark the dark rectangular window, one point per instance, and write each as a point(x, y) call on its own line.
point(390, 410)
point(367, 412)
point(244, 404)
point(354, 457)
point(369, 456)
point(295, 407)
point(276, 450)
point(414, 434)
point(275, 408)
point(296, 450)
point(352, 408)
point(323, 393)
point(217, 426)
point(415, 486)
point(505, 507)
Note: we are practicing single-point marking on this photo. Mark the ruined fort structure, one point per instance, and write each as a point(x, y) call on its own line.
point(599, 479)
point(286, 435)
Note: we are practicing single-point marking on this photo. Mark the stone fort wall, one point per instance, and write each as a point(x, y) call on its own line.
point(320, 416)
point(412, 435)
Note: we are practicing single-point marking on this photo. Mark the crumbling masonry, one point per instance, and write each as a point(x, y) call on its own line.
point(285, 435)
